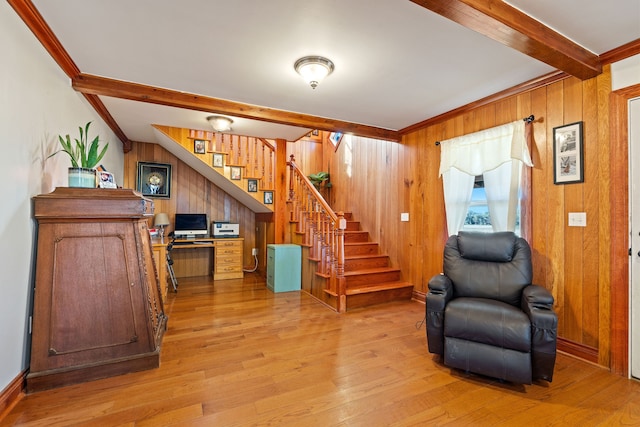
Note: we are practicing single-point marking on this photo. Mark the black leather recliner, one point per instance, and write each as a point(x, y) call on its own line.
point(485, 316)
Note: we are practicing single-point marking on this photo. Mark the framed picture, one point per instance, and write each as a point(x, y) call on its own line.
point(236, 173)
point(199, 146)
point(252, 185)
point(105, 179)
point(568, 165)
point(335, 138)
point(268, 197)
point(218, 160)
point(154, 179)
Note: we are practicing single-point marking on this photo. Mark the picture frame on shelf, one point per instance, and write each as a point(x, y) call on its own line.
point(105, 179)
point(268, 197)
point(252, 185)
point(236, 173)
point(154, 179)
point(568, 161)
point(199, 146)
point(218, 160)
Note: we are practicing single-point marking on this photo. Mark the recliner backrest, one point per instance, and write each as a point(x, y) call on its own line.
point(488, 265)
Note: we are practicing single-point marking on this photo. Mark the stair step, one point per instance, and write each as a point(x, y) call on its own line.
point(353, 226)
point(366, 261)
point(371, 276)
point(360, 248)
point(356, 236)
point(379, 287)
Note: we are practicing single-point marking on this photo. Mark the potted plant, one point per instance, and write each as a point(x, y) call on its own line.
point(84, 158)
point(320, 178)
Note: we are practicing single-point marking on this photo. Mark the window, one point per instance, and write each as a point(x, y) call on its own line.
point(478, 217)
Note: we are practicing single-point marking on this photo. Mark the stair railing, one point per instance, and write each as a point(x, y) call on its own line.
point(323, 231)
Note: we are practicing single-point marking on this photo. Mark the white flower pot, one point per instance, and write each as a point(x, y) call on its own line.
point(82, 177)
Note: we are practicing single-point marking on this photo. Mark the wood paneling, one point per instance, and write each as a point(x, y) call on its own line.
point(192, 193)
point(377, 180)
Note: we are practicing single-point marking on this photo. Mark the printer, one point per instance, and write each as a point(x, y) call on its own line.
point(221, 229)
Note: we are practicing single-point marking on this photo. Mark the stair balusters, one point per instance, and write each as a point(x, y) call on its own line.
point(323, 231)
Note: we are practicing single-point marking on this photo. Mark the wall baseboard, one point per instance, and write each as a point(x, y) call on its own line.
point(581, 351)
point(12, 394)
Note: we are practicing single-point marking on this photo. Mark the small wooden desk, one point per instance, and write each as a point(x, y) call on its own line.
point(193, 257)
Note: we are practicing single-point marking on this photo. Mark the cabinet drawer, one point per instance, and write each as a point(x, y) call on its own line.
point(229, 259)
point(228, 251)
point(228, 268)
point(223, 245)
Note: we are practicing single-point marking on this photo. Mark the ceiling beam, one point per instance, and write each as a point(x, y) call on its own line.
point(102, 86)
point(513, 28)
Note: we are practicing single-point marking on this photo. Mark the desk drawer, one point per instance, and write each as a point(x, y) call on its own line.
point(228, 251)
point(229, 260)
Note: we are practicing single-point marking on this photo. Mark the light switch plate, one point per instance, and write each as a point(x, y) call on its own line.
point(577, 219)
point(404, 217)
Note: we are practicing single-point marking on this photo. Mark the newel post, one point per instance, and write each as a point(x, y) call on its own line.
point(341, 282)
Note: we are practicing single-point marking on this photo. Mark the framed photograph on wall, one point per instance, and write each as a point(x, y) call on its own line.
point(252, 185)
point(154, 179)
point(199, 146)
point(268, 197)
point(568, 164)
point(218, 160)
point(236, 173)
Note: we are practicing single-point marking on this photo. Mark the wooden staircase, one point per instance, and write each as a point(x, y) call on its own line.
point(369, 277)
point(341, 266)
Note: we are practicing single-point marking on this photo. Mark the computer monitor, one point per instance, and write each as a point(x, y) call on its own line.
point(191, 225)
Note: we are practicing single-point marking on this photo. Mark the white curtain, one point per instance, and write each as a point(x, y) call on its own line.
point(502, 186)
point(458, 187)
point(498, 154)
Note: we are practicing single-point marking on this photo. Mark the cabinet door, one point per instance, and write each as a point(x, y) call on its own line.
point(89, 298)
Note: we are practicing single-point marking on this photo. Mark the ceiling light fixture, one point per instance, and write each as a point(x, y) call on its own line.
point(313, 69)
point(220, 123)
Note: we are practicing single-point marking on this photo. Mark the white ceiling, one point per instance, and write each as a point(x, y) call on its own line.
point(396, 63)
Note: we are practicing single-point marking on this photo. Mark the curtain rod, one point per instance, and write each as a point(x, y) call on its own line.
point(526, 119)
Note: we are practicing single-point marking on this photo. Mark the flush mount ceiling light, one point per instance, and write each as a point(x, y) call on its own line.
point(313, 69)
point(220, 123)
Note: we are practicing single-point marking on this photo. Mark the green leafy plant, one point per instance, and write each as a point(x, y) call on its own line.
point(83, 154)
point(320, 178)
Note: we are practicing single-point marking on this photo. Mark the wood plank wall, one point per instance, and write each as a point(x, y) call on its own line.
point(192, 193)
point(378, 180)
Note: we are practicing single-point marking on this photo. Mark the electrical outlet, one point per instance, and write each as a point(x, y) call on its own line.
point(254, 251)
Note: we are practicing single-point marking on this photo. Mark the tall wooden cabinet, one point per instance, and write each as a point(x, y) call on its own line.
point(97, 305)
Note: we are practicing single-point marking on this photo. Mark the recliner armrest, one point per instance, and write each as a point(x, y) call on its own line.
point(537, 302)
point(440, 292)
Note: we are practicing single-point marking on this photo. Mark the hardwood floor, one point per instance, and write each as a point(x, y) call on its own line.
point(236, 354)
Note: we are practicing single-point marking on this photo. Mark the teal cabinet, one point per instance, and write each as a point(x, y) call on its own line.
point(283, 267)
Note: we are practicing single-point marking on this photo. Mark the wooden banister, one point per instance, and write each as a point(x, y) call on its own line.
point(323, 231)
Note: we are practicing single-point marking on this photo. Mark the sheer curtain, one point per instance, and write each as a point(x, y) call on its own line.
point(498, 154)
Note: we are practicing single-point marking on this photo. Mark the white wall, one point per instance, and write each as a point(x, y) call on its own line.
point(36, 104)
point(625, 73)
